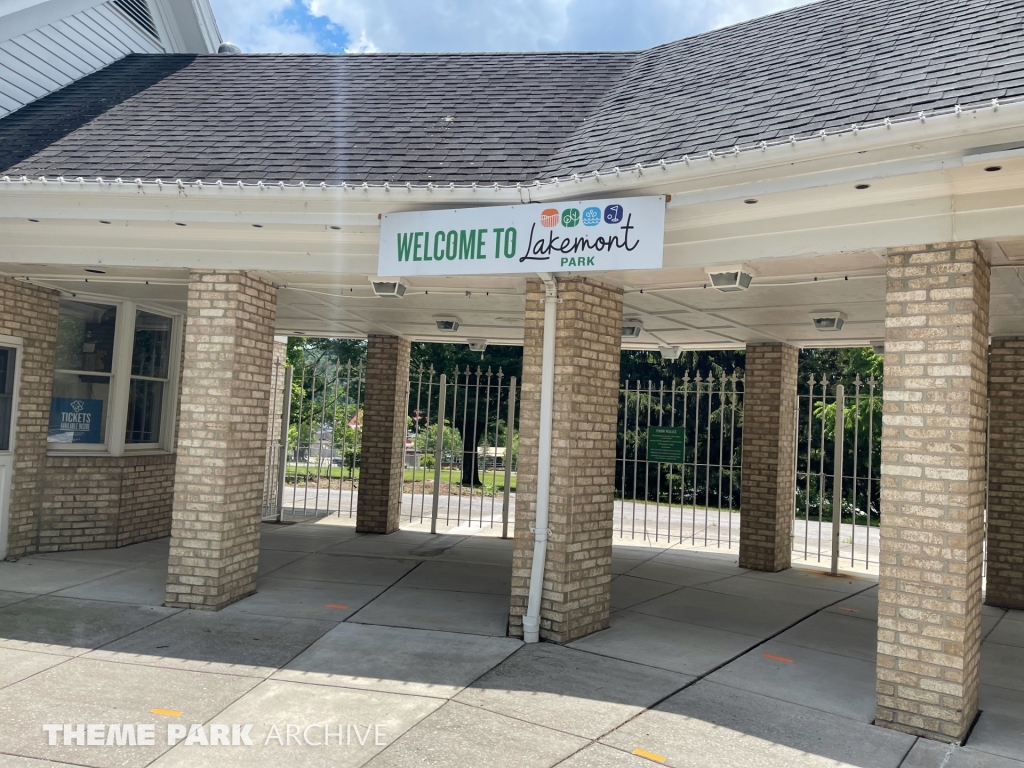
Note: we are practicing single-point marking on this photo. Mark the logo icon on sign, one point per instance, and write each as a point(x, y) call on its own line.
point(613, 214)
point(77, 406)
point(549, 217)
point(570, 217)
point(591, 216)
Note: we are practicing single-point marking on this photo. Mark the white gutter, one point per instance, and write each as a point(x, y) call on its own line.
point(531, 621)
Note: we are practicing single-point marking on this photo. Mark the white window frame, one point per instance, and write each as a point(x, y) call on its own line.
point(120, 382)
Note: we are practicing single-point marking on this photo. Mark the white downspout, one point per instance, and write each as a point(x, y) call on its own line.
point(531, 621)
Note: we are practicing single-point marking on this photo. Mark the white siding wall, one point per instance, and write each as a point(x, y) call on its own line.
point(52, 56)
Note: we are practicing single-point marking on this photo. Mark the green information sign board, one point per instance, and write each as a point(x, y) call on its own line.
point(665, 444)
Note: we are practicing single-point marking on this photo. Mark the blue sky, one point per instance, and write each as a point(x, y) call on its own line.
point(300, 26)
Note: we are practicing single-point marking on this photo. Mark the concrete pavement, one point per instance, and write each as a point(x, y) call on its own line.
point(704, 664)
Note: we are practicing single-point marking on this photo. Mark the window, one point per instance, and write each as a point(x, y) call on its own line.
point(151, 356)
point(7, 361)
point(81, 384)
point(113, 378)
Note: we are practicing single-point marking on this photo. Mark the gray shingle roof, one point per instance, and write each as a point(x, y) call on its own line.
point(516, 117)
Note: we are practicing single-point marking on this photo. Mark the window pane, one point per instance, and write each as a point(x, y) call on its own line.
point(152, 349)
point(145, 404)
point(6, 396)
point(85, 336)
point(78, 409)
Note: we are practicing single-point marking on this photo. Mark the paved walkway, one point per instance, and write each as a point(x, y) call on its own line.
point(705, 664)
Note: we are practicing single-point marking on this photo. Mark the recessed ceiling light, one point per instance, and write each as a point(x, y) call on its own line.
point(863, 186)
point(994, 168)
point(34, 221)
point(104, 222)
point(178, 223)
point(750, 201)
point(96, 271)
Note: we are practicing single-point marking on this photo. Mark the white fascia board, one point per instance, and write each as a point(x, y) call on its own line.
point(20, 16)
point(940, 141)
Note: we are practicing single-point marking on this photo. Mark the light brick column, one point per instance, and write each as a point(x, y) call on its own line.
point(29, 313)
point(576, 598)
point(933, 489)
point(385, 426)
point(768, 481)
point(1005, 587)
point(222, 439)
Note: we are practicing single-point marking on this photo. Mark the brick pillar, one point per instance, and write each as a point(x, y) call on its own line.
point(385, 426)
point(29, 313)
point(222, 438)
point(768, 480)
point(1005, 587)
point(933, 489)
point(577, 580)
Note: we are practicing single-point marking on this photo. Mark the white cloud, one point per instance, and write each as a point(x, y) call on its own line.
point(477, 25)
point(362, 45)
point(258, 26)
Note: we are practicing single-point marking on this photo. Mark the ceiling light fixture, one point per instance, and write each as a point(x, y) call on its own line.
point(863, 186)
point(670, 353)
point(95, 271)
point(34, 221)
point(828, 320)
point(994, 168)
point(632, 327)
point(388, 289)
point(750, 201)
point(735, 277)
point(447, 323)
point(477, 345)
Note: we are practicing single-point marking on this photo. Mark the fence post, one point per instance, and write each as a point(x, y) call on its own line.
point(509, 429)
point(282, 461)
point(438, 452)
point(837, 482)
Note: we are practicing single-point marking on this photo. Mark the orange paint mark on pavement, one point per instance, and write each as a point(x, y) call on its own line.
point(168, 712)
point(649, 755)
point(339, 607)
point(849, 610)
point(778, 658)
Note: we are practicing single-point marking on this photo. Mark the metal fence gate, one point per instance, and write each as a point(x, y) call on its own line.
point(461, 454)
point(839, 430)
point(695, 498)
point(320, 468)
point(462, 449)
point(462, 473)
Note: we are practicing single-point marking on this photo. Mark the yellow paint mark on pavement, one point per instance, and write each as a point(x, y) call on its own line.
point(649, 755)
point(168, 712)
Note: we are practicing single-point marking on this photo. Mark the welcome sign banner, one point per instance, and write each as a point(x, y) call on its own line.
point(590, 235)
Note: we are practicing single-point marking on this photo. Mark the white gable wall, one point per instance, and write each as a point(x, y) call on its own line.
point(54, 55)
point(48, 44)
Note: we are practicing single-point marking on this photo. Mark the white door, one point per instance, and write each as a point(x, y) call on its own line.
point(10, 360)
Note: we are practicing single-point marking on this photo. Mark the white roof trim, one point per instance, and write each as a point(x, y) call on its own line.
point(951, 122)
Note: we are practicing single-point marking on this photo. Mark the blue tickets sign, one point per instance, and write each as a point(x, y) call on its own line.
point(75, 420)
